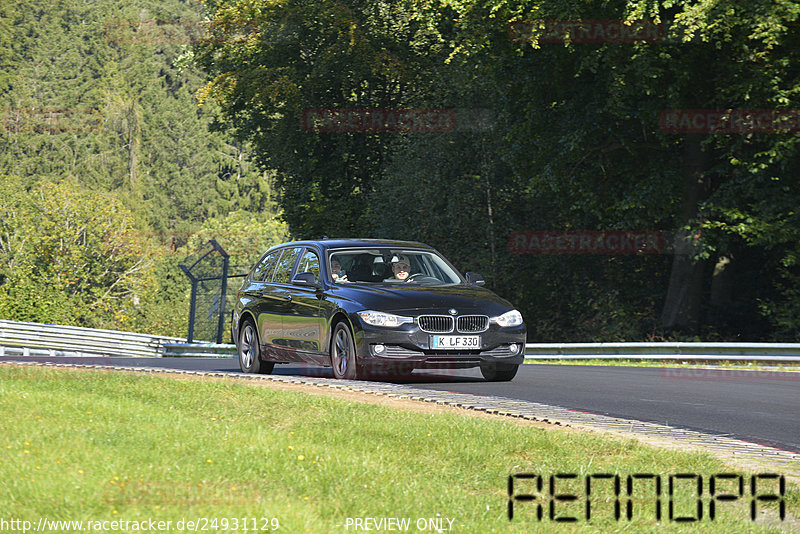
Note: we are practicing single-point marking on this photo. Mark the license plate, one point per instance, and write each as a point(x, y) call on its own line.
point(455, 342)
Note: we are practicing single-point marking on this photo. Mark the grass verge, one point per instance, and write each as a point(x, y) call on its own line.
point(102, 446)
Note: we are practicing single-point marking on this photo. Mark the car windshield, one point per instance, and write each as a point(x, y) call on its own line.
point(390, 266)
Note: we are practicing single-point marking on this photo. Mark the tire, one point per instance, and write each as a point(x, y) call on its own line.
point(499, 372)
point(343, 354)
point(249, 351)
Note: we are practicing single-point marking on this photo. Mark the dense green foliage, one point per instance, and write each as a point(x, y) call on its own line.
point(573, 142)
point(102, 101)
point(109, 166)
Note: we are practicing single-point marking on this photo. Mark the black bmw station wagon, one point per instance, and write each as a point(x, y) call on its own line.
point(368, 306)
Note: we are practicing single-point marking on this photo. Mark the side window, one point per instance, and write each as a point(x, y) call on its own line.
point(339, 265)
point(283, 271)
point(309, 263)
point(263, 269)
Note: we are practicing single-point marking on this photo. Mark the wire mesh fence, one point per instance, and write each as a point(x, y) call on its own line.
point(208, 272)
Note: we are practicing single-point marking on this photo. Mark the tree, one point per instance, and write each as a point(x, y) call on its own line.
point(243, 237)
point(577, 143)
point(299, 56)
point(98, 98)
point(103, 93)
point(583, 124)
point(81, 261)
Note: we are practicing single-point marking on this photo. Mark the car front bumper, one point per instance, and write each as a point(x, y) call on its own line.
point(386, 347)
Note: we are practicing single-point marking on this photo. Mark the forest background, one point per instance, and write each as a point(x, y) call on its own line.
point(132, 133)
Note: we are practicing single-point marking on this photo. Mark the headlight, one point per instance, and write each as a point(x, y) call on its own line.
point(388, 320)
point(511, 318)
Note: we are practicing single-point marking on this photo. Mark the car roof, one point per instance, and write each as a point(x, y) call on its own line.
point(351, 243)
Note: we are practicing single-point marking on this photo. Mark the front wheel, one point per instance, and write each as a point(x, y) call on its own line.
point(343, 354)
point(250, 353)
point(499, 372)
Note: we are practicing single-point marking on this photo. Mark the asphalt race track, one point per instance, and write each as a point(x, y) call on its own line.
point(760, 407)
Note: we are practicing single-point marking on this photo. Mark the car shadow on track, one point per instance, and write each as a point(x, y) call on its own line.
point(419, 376)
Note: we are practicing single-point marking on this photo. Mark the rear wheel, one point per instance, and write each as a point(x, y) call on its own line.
point(250, 352)
point(343, 354)
point(499, 372)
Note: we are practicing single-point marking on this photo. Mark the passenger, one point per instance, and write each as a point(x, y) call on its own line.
point(361, 269)
point(337, 273)
point(401, 267)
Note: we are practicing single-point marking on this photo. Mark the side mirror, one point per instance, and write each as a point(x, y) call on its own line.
point(305, 279)
point(475, 278)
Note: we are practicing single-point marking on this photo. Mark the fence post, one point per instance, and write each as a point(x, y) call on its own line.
point(193, 303)
point(223, 296)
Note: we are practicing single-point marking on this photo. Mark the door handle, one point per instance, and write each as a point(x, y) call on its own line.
point(282, 296)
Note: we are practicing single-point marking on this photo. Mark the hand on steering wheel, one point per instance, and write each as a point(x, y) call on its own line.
point(415, 275)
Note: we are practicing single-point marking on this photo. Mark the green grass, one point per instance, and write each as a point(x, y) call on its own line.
point(103, 445)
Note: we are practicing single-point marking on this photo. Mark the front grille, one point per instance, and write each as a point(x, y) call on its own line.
point(473, 323)
point(435, 324)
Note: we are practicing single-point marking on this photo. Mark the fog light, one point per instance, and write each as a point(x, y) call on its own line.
point(513, 348)
point(379, 349)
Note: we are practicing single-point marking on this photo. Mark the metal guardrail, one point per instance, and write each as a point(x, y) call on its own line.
point(37, 339)
point(199, 350)
point(74, 341)
point(771, 352)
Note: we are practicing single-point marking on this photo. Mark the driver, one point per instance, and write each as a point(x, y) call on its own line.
point(336, 271)
point(401, 267)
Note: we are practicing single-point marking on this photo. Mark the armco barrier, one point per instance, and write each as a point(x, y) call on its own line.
point(199, 350)
point(57, 340)
point(37, 339)
point(771, 352)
